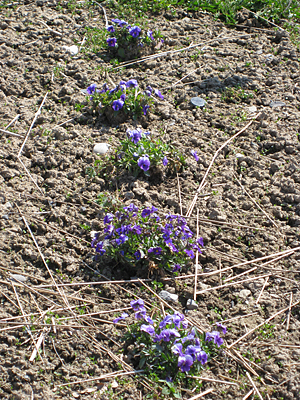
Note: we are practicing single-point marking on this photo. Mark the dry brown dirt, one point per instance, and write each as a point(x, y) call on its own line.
point(249, 208)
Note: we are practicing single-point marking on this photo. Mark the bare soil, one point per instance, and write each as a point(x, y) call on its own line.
point(248, 209)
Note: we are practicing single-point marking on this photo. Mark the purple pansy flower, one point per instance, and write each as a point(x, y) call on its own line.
point(136, 136)
point(185, 362)
point(165, 161)
point(132, 83)
point(215, 336)
point(177, 349)
point(135, 31)
point(123, 97)
point(190, 253)
point(200, 241)
point(149, 320)
point(110, 28)
point(123, 316)
point(194, 154)
point(222, 327)
point(141, 313)
point(91, 89)
point(137, 304)
point(158, 94)
point(149, 34)
point(108, 218)
point(155, 250)
point(202, 357)
point(144, 163)
point(137, 255)
point(148, 328)
point(111, 42)
point(176, 268)
point(145, 109)
point(117, 104)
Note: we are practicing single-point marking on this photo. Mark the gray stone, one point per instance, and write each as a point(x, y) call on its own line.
point(274, 104)
point(198, 102)
point(191, 304)
point(19, 278)
point(243, 294)
point(168, 296)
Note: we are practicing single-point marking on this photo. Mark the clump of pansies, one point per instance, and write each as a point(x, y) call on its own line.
point(141, 238)
point(167, 346)
point(123, 37)
point(139, 152)
point(126, 97)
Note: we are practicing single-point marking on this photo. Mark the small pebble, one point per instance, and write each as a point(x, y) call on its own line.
point(239, 155)
point(168, 296)
point(274, 104)
point(19, 278)
point(191, 304)
point(101, 148)
point(72, 50)
point(5, 216)
point(252, 109)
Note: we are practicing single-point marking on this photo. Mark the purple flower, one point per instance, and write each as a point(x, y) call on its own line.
point(111, 42)
point(117, 104)
point(190, 253)
point(192, 351)
point(131, 208)
point(166, 321)
point(122, 252)
point(146, 212)
point(122, 239)
point(190, 337)
point(109, 229)
point(110, 28)
point(95, 240)
point(132, 83)
point(137, 255)
point(171, 246)
point(105, 88)
point(202, 357)
point(194, 154)
point(176, 268)
point(145, 109)
point(148, 91)
point(155, 250)
point(149, 34)
point(215, 336)
point(148, 328)
point(100, 249)
point(144, 163)
point(185, 362)
point(148, 319)
point(141, 313)
point(123, 316)
point(119, 22)
point(138, 230)
point(123, 97)
point(177, 319)
point(137, 304)
point(177, 349)
point(165, 161)
point(90, 90)
point(200, 241)
point(108, 218)
point(135, 31)
point(158, 94)
point(136, 136)
point(222, 327)
point(167, 334)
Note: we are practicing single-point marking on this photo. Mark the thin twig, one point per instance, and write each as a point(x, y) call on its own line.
point(202, 394)
point(11, 133)
point(32, 124)
point(289, 312)
point(262, 289)
point(254, 386)
point(263, 323)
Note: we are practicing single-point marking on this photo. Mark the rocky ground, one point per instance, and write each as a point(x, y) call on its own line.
point(248, 209)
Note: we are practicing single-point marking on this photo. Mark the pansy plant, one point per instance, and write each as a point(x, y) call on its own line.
point(125, 97)
point(141, 238)
point(168, 348)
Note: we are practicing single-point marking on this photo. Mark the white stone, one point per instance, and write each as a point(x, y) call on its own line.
point(168, 296)
point(239, 155)
point(101, 148)
point(252, 109)
point(191, 304)
point(72, 50)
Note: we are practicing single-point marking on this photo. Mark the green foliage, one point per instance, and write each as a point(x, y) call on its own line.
point(128, 153)
point(235, 95)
